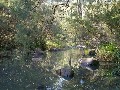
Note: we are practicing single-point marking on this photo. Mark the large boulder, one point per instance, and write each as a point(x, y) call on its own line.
point(89, 63)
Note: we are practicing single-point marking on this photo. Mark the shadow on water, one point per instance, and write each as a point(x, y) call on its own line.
point(17, 74)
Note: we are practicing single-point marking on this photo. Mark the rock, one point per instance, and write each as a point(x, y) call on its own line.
point(54, 49)
point(80, 46)
point(66, 73)
point(38, 55)
point(89, 63)
point(92, 53)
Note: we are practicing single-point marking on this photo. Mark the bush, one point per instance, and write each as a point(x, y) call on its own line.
point(109, 52)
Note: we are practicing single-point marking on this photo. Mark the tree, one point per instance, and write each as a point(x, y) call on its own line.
point(112, 19)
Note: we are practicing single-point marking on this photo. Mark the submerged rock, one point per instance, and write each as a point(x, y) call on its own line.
point(41, 87)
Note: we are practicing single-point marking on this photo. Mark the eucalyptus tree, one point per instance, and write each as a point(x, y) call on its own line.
point(112, 19)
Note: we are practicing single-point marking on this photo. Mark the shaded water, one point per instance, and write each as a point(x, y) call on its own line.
point(17, 74)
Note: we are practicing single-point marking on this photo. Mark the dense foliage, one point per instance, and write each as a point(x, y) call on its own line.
point(30, 24)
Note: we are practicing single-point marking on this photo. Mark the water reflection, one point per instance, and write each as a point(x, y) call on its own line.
point(16, 74)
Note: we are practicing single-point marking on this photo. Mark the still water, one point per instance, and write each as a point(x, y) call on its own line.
point(17, 73)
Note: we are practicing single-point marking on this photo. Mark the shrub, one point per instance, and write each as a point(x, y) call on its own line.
point(109, 52)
